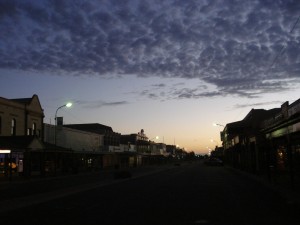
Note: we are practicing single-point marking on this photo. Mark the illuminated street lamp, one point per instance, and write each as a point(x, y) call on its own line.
point(209, 151)
point(156, 138)
point(212, 141)
point(68, 105)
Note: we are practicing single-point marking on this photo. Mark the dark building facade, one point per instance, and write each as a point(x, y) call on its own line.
point(242, 140)
point(282, 133)
point(267, 143)
point(21, 132)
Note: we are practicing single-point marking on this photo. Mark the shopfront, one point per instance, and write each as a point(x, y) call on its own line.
point(11, 163)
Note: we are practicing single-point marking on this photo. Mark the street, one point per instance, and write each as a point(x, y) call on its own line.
point(187, 194)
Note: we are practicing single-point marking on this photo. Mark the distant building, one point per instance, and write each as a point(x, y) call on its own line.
point(162, 149)
point(128, 142)
point(138, 142)
point(73, 139)
point(171, 150)
point(111, 139)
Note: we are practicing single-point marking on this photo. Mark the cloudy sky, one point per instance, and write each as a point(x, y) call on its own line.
point(170, 67)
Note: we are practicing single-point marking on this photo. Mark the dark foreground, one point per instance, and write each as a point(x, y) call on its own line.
point(186, 194)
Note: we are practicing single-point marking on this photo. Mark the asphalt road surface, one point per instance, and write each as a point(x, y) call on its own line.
point(184, 195)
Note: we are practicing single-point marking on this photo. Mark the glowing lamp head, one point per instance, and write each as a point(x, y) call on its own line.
point(69, 104)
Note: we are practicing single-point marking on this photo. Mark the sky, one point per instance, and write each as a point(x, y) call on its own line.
point(170, 67)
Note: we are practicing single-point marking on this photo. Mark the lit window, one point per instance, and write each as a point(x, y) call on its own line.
point(13, 127)
point(34, 129)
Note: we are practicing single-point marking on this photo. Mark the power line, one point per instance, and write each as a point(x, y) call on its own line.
point(276, 58)
point(295, 25)
point(283, 47)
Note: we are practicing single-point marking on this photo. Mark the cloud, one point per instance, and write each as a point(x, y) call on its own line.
point(236, 46)
point(161, 85)
point(253, 105)
point(99, 103)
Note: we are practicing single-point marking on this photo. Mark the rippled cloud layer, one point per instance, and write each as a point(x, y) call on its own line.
point(244, 48)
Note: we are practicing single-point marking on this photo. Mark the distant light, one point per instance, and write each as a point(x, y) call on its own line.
point(69, 104)
point(5, 151)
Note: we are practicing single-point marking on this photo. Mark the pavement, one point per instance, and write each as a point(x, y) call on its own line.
point(19, 192)
point(291, 196)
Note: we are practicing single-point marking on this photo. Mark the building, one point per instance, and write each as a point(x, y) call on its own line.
point(147, 151)
point(242, 141)
point(73, 139)
point(110, 139)
point(21, 132)
point(282, 133)
point(139, 144)
point(267, 143)
point(110, 152)
point(74, 148)
point(171, 150)
point(20, 117)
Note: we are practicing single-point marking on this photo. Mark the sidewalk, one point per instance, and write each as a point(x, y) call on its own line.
point(22, 193)
point(290, 196)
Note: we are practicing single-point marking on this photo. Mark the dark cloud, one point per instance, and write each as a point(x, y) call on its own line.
point(260, 104)
point(7, 8)
point(243, 48)
point(99, 104)
point(159, 85)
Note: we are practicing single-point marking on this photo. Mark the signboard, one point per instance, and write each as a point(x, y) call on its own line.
point(5, 151)
point(59, 121)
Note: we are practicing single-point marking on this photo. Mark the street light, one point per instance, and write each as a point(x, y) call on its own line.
point(209, 151)
point(68, 105)
point(156, 138)
point(212, 141)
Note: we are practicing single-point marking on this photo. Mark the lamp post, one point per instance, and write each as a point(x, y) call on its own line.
point(221, 132)
point(68, 105)
point(212, 141)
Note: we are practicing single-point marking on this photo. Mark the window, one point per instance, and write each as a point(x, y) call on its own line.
point(34, 129)
point(13, 127)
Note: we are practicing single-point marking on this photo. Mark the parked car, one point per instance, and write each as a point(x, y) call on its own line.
point(212, 161)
